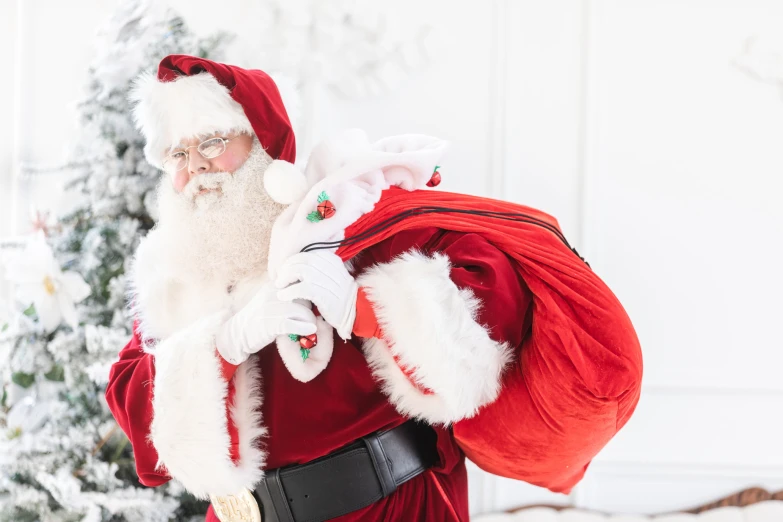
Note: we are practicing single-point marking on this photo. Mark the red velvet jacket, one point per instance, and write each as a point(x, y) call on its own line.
point(458, 351)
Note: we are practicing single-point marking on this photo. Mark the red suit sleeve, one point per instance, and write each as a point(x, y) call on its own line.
point(129, 395)
point(505, 301)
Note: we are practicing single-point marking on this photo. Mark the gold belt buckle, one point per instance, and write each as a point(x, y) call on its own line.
point(241, 507)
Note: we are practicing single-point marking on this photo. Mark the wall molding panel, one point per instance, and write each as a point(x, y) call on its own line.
point(498, 96)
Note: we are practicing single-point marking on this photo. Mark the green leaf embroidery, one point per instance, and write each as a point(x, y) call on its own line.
point(30, 310)
point(322, 197)
point(5, 327)
point(293, 337)
point(314, 216)
point(305, 353)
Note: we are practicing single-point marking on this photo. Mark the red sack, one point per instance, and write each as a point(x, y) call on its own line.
point(577, 376)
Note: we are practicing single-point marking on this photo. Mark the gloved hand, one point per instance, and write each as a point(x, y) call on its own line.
point(325, 282)
point(259, 322)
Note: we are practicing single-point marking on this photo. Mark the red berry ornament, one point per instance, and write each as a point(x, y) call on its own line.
point(435, 179)
point(308, 341)
point(326, 209)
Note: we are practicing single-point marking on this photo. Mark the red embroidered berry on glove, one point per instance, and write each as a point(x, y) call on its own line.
point(326, 209)
point(308, 341)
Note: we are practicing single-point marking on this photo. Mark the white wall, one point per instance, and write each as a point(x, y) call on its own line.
point(683, 169)
point(628, 121)
point(8, 131)
point(7, 116)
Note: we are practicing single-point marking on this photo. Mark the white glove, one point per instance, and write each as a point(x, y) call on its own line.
point(325, 282)
point(259, 322)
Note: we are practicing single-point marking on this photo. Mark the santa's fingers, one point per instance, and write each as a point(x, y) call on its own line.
point(301, 273)
point(312, 292)
point(295, 311)
point(309, 266)
point(290, 326)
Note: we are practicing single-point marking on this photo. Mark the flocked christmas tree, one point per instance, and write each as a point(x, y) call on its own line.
point(62, 455)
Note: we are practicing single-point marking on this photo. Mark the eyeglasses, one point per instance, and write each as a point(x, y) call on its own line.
point(209, 149)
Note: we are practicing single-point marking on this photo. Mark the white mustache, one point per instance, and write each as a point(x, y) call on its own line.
point(209, 180)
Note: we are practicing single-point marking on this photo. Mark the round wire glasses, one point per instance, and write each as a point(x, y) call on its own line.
point(211, 148)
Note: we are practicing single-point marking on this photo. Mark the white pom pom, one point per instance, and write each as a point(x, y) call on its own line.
point(284, 182)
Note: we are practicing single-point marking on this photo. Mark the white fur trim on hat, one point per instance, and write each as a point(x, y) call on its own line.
point(284, 182)
point(167, 112)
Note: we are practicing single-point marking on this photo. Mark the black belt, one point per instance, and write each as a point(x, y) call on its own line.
point(350, 478)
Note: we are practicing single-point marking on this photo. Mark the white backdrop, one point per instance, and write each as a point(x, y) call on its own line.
point(632, 121)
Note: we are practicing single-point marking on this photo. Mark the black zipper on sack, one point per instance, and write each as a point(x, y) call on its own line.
point(383, 225)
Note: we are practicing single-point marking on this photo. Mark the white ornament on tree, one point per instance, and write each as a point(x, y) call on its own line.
point(39, 280)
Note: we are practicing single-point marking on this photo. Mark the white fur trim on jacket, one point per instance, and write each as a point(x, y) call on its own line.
point(166, 112)
point(189, 429)
point(430, 325)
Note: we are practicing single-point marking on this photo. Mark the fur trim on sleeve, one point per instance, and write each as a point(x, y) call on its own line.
point(431, 330)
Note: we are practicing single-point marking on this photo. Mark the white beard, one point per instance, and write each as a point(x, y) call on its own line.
point(222, 235)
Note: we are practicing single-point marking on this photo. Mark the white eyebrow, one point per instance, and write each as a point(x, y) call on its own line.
point(202, 137)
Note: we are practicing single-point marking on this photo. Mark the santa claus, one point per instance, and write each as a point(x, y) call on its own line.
point(332, 344)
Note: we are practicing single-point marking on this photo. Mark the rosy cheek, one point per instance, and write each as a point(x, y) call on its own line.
point(229, 162)
point(180, 180)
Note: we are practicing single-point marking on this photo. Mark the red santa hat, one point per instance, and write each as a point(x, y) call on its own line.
point(192, 96)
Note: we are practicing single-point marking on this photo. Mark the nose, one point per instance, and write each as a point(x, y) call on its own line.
point(197, 164)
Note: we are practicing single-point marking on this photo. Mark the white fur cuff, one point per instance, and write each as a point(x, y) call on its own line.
point(189, 427)
point(430, 326)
